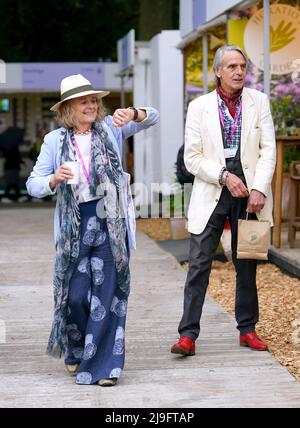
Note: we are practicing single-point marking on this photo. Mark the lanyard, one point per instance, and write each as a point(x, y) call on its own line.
point(229, 136)
point(85, 171)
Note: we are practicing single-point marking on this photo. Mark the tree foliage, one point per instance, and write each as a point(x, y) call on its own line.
point(157, 15)
point(70, 30)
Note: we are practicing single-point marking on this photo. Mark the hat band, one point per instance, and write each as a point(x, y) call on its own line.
point(76, 91)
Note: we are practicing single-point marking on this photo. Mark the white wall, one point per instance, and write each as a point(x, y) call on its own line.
point(186, 17)
point(144, 141)
point(13, 78)
point(168, 96)
point(214, 9)
point(160, 84)
point(217, 7)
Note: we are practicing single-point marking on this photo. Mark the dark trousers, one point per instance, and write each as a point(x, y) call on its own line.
point(12, 177)
point(202, 250)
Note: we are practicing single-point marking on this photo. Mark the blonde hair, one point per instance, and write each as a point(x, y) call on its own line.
point(65, 115)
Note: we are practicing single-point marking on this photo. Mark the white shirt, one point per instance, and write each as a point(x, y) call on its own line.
point(84, 143)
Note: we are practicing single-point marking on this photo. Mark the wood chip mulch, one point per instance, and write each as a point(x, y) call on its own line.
point(279, 303)
point(157, 229)
point(279, 299)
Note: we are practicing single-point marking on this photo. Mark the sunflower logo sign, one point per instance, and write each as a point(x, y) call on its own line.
point(2, 71)
point(284, 38)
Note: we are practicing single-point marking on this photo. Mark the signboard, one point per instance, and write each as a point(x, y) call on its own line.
point(126, 51)
point(199, 12)
point(47, 76)
point(284, 38)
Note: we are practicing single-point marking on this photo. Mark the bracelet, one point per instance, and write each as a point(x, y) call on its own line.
point(136, 113)
point(224, 177)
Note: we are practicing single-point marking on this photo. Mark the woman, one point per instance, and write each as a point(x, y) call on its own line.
point(94, 229)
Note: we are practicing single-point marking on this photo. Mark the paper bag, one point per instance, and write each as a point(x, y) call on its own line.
point(253, 239)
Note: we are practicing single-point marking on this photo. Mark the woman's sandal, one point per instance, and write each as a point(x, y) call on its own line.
point(72, 370)
point(108, 382)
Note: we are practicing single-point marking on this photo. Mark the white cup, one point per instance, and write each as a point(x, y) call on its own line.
point(75, 168)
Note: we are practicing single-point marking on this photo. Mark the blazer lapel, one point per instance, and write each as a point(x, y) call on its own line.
point(248, 118)
point(214, 125)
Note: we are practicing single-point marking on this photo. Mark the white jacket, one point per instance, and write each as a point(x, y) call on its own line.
point(204, 153)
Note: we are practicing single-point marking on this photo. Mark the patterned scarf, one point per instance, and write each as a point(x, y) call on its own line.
point(106, 181)
point(229, 99)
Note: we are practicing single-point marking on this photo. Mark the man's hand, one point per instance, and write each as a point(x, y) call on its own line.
point(236, 187)
point(256, 202)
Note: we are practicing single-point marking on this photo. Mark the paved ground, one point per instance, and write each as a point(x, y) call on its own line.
point(221, 374)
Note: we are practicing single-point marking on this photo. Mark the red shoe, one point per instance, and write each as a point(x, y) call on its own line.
point(251, 340)
point(185, 347)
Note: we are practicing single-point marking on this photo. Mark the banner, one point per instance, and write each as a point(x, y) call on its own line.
point(47, 76)
point(284, 38)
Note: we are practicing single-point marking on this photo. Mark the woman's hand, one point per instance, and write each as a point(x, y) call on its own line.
point(63, 173)
point(122, 116)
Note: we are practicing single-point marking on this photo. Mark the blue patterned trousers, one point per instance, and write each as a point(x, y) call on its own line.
point(97, 307)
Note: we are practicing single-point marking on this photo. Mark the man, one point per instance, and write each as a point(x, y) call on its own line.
point(230, 148)
point(10, 140)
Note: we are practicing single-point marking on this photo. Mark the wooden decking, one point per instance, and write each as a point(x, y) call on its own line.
point(221, 374)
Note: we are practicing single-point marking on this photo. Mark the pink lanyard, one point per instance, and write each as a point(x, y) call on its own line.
point(85, 171)
point(229, 136)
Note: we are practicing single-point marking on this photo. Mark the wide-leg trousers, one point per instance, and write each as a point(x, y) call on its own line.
point(202, 250)
point(97, 307)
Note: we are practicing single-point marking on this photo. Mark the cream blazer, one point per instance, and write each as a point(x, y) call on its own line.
point(204, 154)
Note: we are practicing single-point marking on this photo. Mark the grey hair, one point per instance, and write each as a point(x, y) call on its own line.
point(218, 60)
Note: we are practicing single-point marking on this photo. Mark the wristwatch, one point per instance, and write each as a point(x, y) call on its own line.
point(136, 113)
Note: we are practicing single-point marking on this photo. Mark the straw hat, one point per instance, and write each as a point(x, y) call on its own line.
point(74, 87)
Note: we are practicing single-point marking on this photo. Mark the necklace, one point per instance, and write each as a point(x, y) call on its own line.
point(83, 133)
